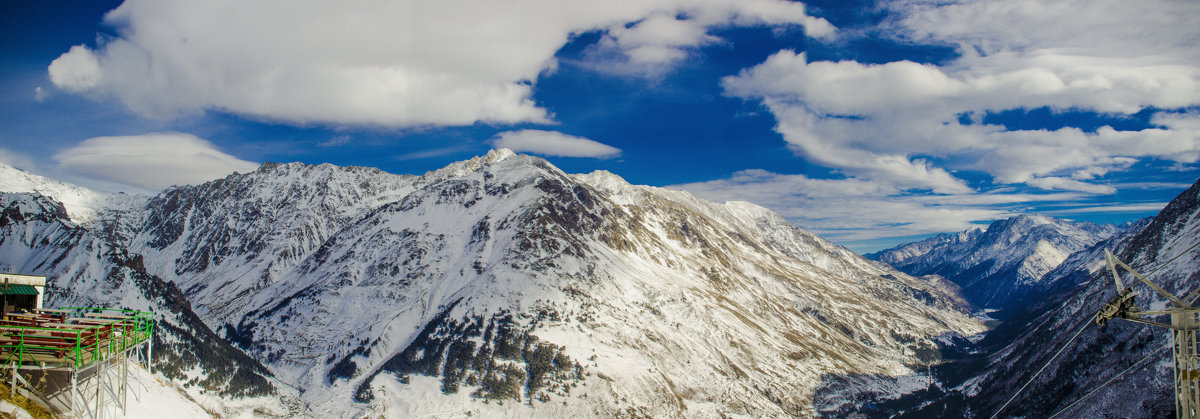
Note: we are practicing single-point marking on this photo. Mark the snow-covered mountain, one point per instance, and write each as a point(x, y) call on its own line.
point(83, 206)
point(1074, 384)
point(917, 252)
point(998, 266)
point(37, 237)
point(223, 241)
point(498, 286)
point(501, 285)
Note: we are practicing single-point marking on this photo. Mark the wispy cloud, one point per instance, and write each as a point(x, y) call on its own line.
point(1153, 185)
point(1052, 183)
point(1143, 207)
point(16, 159)
point(417, 155)
point(335, 141)
point(853, 209)
point(867, 213)
point(40, 94)
point(151, 162)
point(553, 143)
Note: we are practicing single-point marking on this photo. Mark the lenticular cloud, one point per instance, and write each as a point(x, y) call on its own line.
point(553, 143)
point(150, 162)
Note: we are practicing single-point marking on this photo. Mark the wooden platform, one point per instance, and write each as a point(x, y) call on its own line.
point(77, 337)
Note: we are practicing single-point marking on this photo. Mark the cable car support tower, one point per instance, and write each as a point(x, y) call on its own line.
point(1183, 326)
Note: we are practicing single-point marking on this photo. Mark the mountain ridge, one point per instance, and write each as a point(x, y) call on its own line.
point(502, 279)
point(501, 240)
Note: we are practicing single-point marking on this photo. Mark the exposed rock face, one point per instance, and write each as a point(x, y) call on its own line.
point(37, 237)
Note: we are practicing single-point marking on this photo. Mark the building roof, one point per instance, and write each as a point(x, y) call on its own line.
point(18, 289)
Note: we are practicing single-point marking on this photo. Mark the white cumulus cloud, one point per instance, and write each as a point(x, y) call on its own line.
point(650, 46)
point(902, 122)
point(378, 62)
point(150, 162)
point(78, 70)
point(553, 143)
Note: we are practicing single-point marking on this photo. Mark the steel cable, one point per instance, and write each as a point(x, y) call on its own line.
point(1110, 380)
point(1039, 371)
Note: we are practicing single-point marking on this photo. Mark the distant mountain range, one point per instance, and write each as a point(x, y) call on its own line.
point(998, 266)
point(495, 286)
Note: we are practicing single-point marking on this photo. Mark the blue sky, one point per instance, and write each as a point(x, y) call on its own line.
point(868, 122)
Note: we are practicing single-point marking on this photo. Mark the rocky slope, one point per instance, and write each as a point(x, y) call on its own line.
point(223, 241)
point(502, 279)
point(37, 237)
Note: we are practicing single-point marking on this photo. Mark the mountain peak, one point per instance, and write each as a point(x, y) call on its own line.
point(603, 180)
point(499, 154)
point(465, 167)
point(1032, 218)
